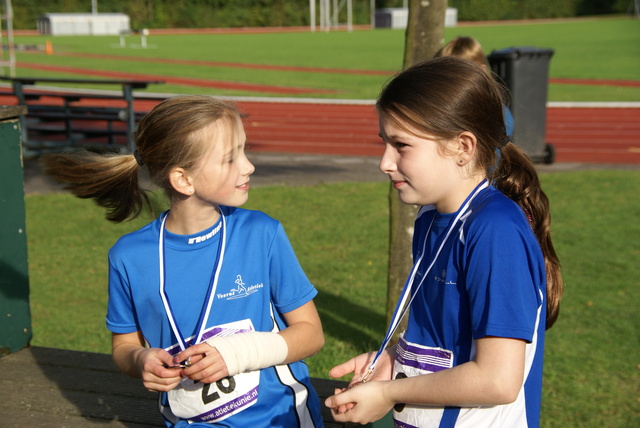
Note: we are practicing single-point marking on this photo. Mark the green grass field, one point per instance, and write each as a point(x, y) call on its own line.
point(603, 48)
point(340, 234)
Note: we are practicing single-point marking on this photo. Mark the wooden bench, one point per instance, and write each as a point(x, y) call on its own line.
point(60, 120)
point(46, 387)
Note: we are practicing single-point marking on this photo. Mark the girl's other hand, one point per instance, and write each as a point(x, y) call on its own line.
point(364, 403)
point(154, 366)
point(132, 358)
point(360, 365)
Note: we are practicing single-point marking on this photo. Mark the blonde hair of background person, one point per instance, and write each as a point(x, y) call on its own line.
point(464, 47)
point(470, 49)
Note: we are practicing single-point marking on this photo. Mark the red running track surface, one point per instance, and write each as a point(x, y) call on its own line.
point(594, 134)
point(578, 134)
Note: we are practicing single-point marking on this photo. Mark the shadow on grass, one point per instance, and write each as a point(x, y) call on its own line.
point(350, 322)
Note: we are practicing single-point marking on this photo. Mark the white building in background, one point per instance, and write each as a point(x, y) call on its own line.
point(83, 24)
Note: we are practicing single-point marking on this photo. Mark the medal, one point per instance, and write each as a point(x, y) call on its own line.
point(184, 365)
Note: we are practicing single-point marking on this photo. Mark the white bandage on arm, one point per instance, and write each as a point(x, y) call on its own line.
point(244, 352)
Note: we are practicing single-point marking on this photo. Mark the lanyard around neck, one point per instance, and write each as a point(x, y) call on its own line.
point(213, 284)
point(407, 296)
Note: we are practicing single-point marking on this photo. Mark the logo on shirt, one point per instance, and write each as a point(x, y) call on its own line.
point(240, 291)
point(443, 278)
point(205, 237)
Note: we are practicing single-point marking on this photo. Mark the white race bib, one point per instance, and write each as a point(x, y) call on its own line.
point(212, 402)
point(415, 360)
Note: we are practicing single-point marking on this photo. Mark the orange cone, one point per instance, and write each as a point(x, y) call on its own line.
point(48, 48)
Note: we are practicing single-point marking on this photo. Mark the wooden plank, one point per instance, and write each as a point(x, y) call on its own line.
point(61, 388)
point(69, 388)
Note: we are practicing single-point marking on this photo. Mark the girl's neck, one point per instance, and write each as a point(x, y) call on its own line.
point(184, 220)
point(454, 203)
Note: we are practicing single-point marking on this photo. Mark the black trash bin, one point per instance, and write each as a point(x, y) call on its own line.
point(525, 72)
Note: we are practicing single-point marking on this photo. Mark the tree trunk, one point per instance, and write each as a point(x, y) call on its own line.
point(424, 36)
point(425, 30)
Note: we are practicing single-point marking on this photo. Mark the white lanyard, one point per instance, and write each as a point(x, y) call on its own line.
point(402, 306)
point(204, 315)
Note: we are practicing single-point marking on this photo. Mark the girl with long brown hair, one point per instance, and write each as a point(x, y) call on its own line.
point(486, 282)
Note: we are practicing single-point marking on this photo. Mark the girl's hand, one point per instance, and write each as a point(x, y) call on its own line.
point(206, 366)
point(153, 363)
point(363, 403)
point(132, 358)
point(360, 365)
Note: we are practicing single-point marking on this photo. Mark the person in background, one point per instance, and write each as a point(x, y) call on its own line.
point(469, 48)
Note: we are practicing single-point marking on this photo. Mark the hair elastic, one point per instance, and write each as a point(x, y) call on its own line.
point(505, 140)
point(138, 158)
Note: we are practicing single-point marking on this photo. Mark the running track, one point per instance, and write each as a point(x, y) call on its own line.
point(588, 133)
point(579, 134)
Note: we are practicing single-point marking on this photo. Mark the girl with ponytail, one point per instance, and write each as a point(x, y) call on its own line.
point(486, 282)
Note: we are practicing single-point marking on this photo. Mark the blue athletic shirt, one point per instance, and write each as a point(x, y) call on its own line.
point(489, 280)
point(260, 280)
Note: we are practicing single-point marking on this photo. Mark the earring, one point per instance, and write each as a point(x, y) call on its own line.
point(190, 190)
point(460, 161)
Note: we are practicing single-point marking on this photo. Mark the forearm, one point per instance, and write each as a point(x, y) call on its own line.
point(125, 359)
point(465, 385)
point(257, 350)
point(126, 350)
point(494, 377)
point(303, 340)
point(303, 334)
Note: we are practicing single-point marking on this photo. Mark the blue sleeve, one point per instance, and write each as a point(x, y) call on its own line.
point(504, 276)
point(120, 310)
point(290, 287)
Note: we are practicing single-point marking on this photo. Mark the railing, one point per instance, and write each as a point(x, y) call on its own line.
point(59, 119)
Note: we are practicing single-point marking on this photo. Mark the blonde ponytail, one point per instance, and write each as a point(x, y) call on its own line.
point(111, 180)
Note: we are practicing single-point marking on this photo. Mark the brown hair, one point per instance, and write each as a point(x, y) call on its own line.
point(446, 96)
point(464, 47)
point(167, 137)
